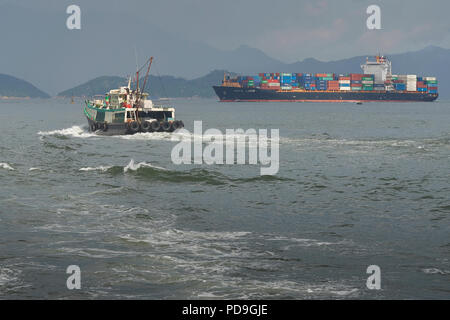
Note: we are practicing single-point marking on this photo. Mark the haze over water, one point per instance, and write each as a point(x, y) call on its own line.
point(358, 185)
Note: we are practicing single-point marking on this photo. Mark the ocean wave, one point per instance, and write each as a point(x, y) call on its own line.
point(236, 139)
point(145, 170)
point(74, 131)
point(7, 276)
point(6, 166)
point(240, 288)
point(435, 271)
point(136, 166)
point(100, 168)
point(329, 141)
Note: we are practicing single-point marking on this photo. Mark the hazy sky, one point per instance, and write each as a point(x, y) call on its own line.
point(192, 37)
point(285, 29)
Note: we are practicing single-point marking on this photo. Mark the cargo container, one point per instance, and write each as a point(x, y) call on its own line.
point(369, 85)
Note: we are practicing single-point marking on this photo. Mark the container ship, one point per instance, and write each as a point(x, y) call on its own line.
point(376, 83)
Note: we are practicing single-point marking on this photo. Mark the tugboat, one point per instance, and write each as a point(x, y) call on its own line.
point(126, 111)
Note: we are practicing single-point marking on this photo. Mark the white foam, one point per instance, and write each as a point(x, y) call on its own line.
point(435, 271)
point(100, 168)
point(230, 139)
point(147, 136)
point(34, 169)
point(6, 166)
point(135, 166)
point(7, 275)
point(74, 131)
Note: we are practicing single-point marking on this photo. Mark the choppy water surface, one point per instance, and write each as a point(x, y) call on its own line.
point(358, 185)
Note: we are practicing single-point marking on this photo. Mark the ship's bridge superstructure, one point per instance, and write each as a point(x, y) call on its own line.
point(381, 68)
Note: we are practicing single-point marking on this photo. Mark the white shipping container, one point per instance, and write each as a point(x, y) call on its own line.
point(344, 88)
point(429, 78)
point(274, 84)
point(344, 81)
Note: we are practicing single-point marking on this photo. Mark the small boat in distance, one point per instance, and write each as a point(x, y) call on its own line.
point(128, 111)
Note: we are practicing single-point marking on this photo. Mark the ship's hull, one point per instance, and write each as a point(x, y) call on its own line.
point(235, 94)
point(115, 129)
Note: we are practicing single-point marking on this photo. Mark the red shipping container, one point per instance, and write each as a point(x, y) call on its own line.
point(356, 76)
point(344, 78)
point(432, 88)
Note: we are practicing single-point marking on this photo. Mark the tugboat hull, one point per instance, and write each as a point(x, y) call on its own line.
point(114, 129)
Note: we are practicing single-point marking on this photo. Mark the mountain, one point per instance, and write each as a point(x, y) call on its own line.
point(431, 61)
point(13, 87)
point(161, 87)
point(97, 86)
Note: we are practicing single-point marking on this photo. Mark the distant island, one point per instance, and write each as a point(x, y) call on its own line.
point(12, 87)
point(430, 61)
point(161, 87)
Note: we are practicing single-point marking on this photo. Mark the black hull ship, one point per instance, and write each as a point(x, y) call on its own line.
point(376, 83)
point(233, 94)
point(129, 111)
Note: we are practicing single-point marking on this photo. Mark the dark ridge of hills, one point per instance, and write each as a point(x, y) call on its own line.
point(17, 88)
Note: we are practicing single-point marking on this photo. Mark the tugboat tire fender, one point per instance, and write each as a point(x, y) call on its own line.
point(134, 126)
point(146, 126)
point(166, 126)
point(176, 125)
point(155, 125)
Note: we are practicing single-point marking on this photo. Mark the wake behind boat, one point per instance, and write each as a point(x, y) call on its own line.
point(127, 111)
